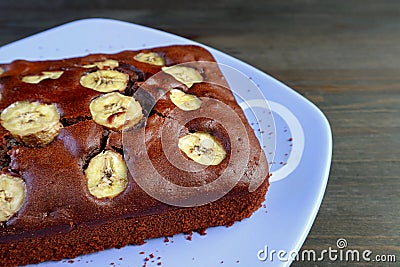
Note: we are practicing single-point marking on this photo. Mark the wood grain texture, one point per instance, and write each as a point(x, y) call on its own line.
point(342, 55)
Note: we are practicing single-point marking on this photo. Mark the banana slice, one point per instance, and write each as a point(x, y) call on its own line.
point(12, 196)
point(187, 76)
point(105, 81)
point(1, 70)
point(35, 79)
point(184, 101)
point(106, 64)
point(106, 175)
point(116, 111)
point(150, 58)
point(202, 147)
point(32, 123)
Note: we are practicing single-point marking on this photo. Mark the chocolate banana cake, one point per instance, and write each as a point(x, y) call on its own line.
point(107, 150)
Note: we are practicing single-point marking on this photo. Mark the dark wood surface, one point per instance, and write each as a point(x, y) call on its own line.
point(342, 55)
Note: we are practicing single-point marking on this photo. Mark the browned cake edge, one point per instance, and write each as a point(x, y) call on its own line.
point(116, 234)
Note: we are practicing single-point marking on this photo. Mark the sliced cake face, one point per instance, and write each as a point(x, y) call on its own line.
point(105, 138)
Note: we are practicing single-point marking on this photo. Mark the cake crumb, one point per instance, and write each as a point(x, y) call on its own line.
point(141, 252)
point(151, 255)
point(202, 231)
point(189, 237)
point(71, 261)
point(290, 139)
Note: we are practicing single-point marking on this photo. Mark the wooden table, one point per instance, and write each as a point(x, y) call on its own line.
point(342, 55)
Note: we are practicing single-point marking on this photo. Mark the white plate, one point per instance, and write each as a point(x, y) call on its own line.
point(297, 187)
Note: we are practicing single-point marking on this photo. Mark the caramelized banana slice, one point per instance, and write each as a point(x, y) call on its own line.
point(184, 101)
point(187, 76)
point(106, 175)
point(12, 196)
point(32, 123)
point(35, 79)
point(150, 58)
point(105, 81)
point(116, 111)
point(106, 64)
point(202, 147)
